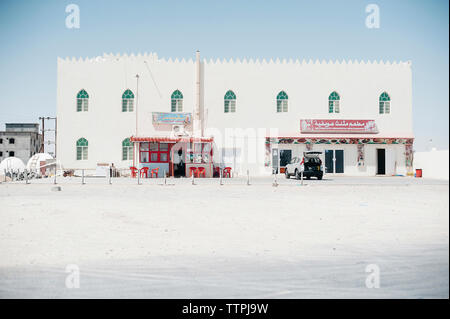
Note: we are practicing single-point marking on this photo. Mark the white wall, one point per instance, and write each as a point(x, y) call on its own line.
point(434, 164)
point(105, 126)
point(308, 86)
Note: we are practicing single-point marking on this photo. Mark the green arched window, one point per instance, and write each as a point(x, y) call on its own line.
point(82, 149)
point(385, 103)
point(177, 101)
point(333, 102)
point(82, 101)
point(230, 102)
point(282, 102)
point(127, 101)
point(127, 150)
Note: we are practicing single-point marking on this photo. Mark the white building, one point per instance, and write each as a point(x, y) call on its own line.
point(256, 114)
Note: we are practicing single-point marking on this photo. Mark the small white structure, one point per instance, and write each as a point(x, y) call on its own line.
point(434, 164)
point(12, 164)
point(34, 163)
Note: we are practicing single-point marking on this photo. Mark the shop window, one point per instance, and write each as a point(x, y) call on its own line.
point(333, 102)
point(82, 149)
point(177, 101)
point(199, 153)
point(127, 150)
point(11, 154)
point(282, 102)
point(154, 152)
point(230, 102)
point(144, 154)
point(12, 141)
point(385, 103)
point(82, 101)
point(127, 101)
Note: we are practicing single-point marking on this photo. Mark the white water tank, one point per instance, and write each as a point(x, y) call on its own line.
point(12, 164)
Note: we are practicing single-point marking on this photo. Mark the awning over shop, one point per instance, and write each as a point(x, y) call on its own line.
point(167, 139)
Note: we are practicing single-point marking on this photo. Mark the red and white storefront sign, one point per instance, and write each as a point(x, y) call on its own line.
point(338, 126)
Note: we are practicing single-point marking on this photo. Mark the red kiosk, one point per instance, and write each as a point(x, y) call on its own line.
point(159, 154)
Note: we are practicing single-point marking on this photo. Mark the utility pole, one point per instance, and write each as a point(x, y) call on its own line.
point(137, 99)
point(42, 150)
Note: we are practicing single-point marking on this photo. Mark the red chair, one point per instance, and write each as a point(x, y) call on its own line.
point(193, 170)
point(144, 172)
point(154, 171)
point(201, 171)
point(227, 172)
point(133, 171)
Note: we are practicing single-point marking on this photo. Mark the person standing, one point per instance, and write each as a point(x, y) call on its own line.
point(178, 162)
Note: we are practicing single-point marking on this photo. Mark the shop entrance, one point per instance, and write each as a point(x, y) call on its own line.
point(381, 161)
point(178, 162)
point(334, 161)
point(168, 156)
point(285, 158)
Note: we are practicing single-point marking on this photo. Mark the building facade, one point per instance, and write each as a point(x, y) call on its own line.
point(21, 140)
point(252, 115)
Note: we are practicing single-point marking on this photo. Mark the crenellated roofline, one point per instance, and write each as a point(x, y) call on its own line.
point(153, 57)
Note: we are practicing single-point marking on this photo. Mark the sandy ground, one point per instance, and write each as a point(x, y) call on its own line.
point(230, 241)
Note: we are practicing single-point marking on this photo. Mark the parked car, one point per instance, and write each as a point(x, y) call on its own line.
point(310, 164)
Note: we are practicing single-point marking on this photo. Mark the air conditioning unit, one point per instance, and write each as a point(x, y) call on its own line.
point(178, 130)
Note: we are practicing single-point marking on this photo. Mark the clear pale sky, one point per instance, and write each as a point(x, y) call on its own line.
point(33, 34)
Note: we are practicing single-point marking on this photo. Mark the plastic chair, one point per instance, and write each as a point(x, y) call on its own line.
point(201, 171)
point(133, 171)
point(154, 171)
point(193, 170)
point(227, 172)
point(144, 172)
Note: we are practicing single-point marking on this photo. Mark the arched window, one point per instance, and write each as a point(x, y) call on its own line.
point(127, 101)
point(127, 150)
point(82, 149)
point(282, 102)
point(333, 102)
point(177, 101)
point(82, 101)
point(385, 103)
point(230, 102)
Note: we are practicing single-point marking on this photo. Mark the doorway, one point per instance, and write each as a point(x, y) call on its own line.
point(285, 158)
point(381, 161)
point(334, 161)
point(178, 160)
